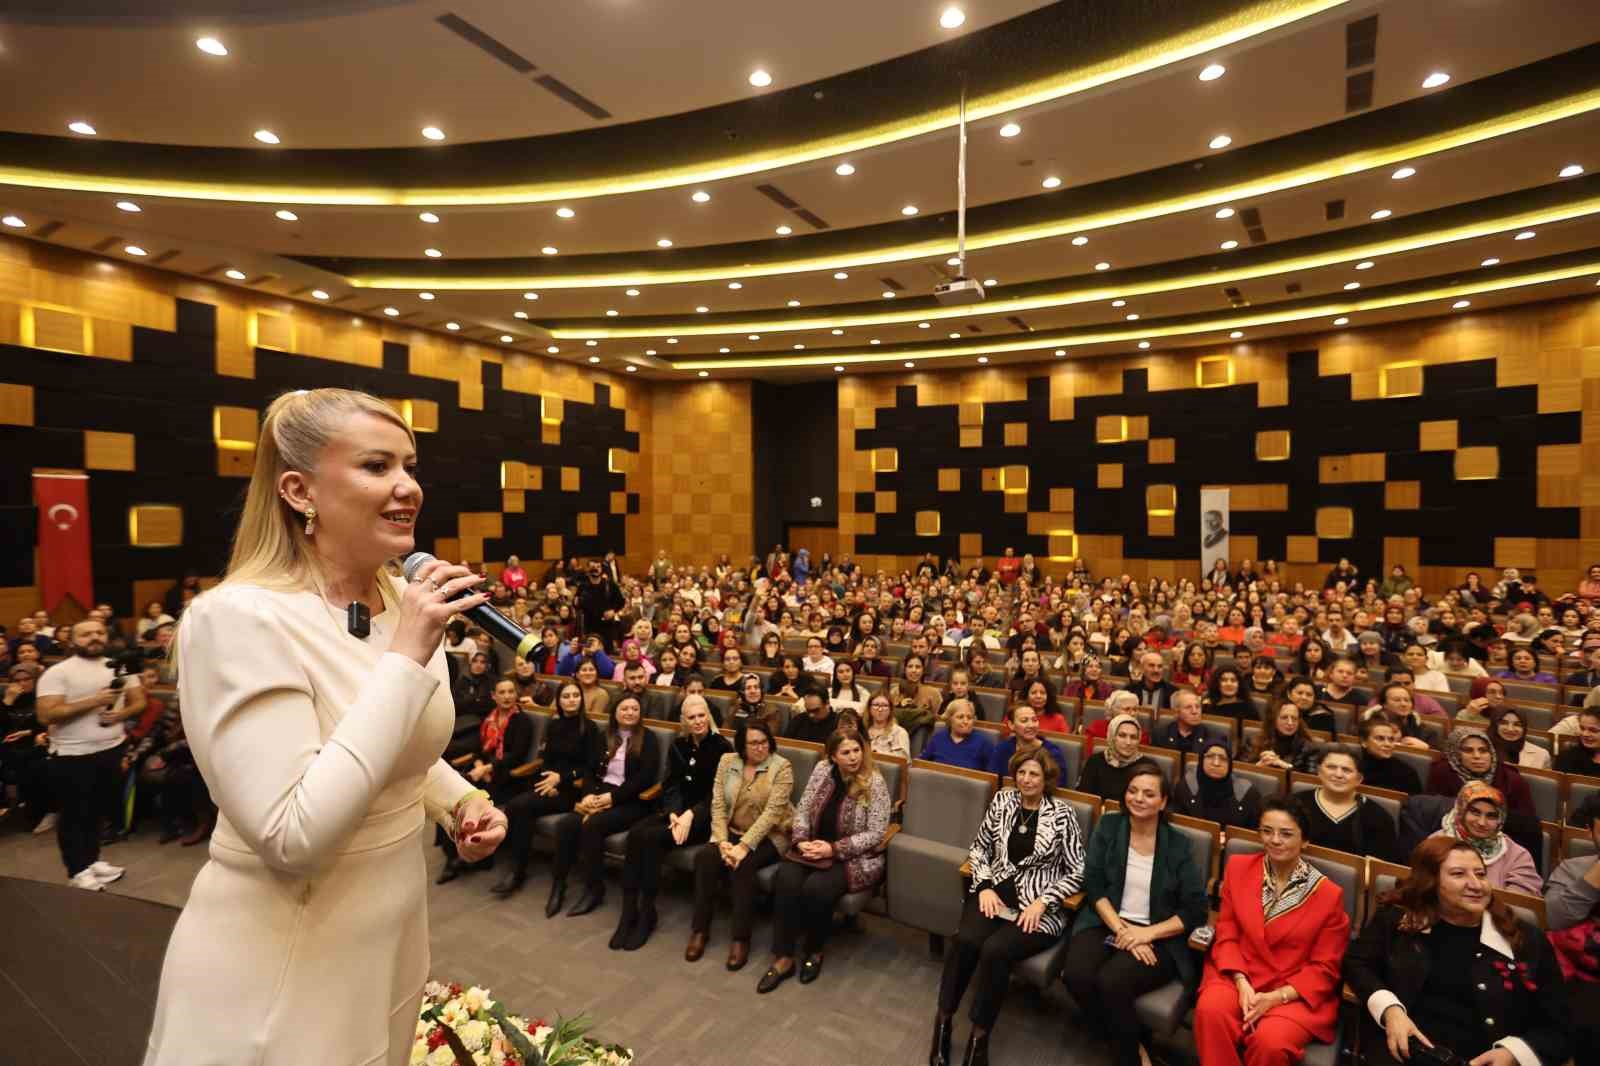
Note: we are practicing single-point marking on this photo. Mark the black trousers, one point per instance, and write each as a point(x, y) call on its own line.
point(1584, 997)
point(581, 842)
point(648, 841)
point(708, 871)
point(86, 787)
point(1105, 981)
point(28, 767)
point(988, 947)
point(803, 911)
point(522, 811)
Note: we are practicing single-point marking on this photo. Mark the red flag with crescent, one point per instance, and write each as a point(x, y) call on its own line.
point(64, 567)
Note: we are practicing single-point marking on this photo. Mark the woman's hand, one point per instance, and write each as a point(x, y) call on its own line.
point(525, 702)
point(1032, 914)
point(989, 903)
point(548, 783)
point(1247, 994)
point(1131, 936)
point(681, 824)
point(1399, 1029)
point(1144, 953)
point(1498, 1056)
point(1414, 742)
point(425, 607)
point(481, 829)
point(734, 854)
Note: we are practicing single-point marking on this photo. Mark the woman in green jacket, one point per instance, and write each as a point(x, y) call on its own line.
point(1143, 894)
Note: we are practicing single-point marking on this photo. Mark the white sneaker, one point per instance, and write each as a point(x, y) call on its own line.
point(86, 879)
point(46, 824)
point(105, 873)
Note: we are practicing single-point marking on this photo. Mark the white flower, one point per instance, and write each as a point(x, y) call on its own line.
point(434, 989)
point(476, 999)
point(453, 1015)
point(475, 1035)
point(419, 1053)
point(540, 1035)
point(442, 1056)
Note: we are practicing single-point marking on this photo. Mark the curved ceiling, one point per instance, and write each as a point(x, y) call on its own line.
point(1353, 187)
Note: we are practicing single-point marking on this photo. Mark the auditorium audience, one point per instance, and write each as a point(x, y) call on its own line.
point(1209, 789)
point(1379, 767)
point(1338, 815)
point(1024, 737)
point(1572, 914)
point(1469, 756)
point(961, 743)
point(1284, 743)
point(504, 742)
point(566, 755)
point(1509, 733)
point(817, 722)
point(1026, 860)
point(884, 734)
point(1477, 820)
point(1584, 756)
point(1183, 732)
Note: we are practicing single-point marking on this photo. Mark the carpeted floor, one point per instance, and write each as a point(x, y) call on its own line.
point(85, 966)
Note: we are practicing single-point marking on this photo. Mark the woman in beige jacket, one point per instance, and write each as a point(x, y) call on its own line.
point(752, 807)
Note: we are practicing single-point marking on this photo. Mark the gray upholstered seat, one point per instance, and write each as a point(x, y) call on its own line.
point(617, 843)
point(1545, 788)
point(944, 807)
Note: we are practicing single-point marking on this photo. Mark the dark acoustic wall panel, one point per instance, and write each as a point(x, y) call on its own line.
point(794, 456)
point(1213, 434)
point(166, 396)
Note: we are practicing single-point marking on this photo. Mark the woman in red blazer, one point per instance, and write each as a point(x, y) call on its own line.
point(1271, 981)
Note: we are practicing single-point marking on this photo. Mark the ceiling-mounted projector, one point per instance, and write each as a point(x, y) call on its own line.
point(959, 291)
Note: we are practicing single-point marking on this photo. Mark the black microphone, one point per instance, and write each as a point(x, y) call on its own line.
point(490, 620)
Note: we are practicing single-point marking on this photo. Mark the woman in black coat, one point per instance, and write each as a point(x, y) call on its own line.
point(505, 742)
point(683, 821)
point(1443, 964)
point(1209, 790)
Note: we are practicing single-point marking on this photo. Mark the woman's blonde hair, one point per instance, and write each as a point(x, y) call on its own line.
point(270, 546)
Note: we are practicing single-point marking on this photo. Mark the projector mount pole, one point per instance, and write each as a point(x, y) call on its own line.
point(961, 188)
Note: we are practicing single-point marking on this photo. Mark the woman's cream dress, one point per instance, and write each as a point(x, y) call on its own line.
point(305, 939)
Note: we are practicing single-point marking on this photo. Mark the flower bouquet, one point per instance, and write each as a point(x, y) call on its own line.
point(466, 1027)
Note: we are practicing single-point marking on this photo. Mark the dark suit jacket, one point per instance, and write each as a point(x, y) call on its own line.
point(1385, 958)
point(639, 771)
point(518, 749)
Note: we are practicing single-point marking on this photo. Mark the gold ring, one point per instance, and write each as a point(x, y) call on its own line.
point(433, 586)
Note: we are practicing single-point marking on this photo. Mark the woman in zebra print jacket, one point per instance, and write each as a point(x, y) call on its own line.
point(1026, 860)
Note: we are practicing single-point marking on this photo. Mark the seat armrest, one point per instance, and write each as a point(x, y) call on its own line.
point(527, 769)
point(462, 760)
point(966, 868)
point(889, 834)
point(651, 793)
point(1072, 902)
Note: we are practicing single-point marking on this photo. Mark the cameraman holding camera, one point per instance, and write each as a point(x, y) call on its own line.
point(84, 703)
point(599, 600)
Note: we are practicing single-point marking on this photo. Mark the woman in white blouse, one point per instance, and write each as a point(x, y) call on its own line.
point(886, 736)
point(308, 928)
point(845, 692)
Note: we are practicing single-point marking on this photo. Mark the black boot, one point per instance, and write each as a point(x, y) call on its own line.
point(977, 1050)
point(939, 1054)
point(451, 871)
point(558, 896)
point(643, 927)
point(510, 884)
point(593, 896)
point(626, 921)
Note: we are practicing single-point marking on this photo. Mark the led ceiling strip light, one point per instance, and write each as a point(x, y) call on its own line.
point(1152, 329)
point(1253, 20)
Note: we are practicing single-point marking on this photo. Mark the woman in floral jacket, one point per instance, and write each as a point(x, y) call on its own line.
point(839, 827)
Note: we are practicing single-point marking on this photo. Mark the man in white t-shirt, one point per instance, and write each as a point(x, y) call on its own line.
point(85, 715)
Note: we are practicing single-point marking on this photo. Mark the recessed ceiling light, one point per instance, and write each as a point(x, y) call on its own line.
point(702, 309)
point(1144, 344)
point(1080, 241)
point(874, 341)
point(433, 133)
point(1060, 352)
point(630, 368)
point(550, 249)
point(530, 296)
point(1365, 264)
point(286, 215)
point(844, 170)
point(983, 358)
point(798, 347)
point(1571, 170)
point(1236, 334)
point(355, 320)
point(432, 253)
point(724, 351)
point(1102, 265)
point(1119, 303)
point(1351, 286)
point(1525, 235)
point(838, 370)
point(320, 294)
point(705, 373)
point(630, 292)
point(611, 312)
point(133, 249)
point(266, 136)
point(1213, 72)
point(760, 78)
point(591, 344)
point(955, 336)
point(428, 216)
point(235, 274)
point(506, 338)
point(1459, 304)
point(1221, 140)
point(391, 311)
point(888, 294)
point(82, 127)
point(1052, 182)
point(1341, 321)
point(908, 210)
point(452, 326)
point(1491, 261)
point(700, 196)
point(1434, 80)
point(1403, 173)
point(910, 365)
point(1133, 317)
point(672, 340)
point(839, 275)
point(664, 242)
point(794, 303)
point(735, 285)
point(1228, 246)
point(566, 212)
point(128, 205)
point(211, 46)
point(952, 261)
point(783, 231)
point(519, 314)
point(754, 336)
point(553, 350)
point(1381, 214)
point(952, 17)
point(649, 351)
point(1010, 129)
point(837, 332)
point(594, 359)
point(991, 282)
point(924, 325)
point(1224, 212)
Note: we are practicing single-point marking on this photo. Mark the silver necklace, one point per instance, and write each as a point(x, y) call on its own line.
point(1027, 819)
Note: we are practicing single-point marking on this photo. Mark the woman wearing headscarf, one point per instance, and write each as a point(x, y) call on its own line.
point(1478, 818)
point(1469, 755)
point(1209, 790)
point(802, 566)
point(1105, 773)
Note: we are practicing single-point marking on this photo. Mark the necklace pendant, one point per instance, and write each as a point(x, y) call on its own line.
point(691, 761)
point(1022, 829)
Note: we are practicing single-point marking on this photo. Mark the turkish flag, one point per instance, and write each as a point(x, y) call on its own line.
point(64, 568)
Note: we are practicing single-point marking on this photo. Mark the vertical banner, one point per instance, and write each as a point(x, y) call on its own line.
point(64, 569)
point(1214, 519)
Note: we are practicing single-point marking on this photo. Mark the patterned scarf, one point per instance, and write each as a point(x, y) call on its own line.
point(492, 733)
point(1454, 824)
point(1302, 882)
